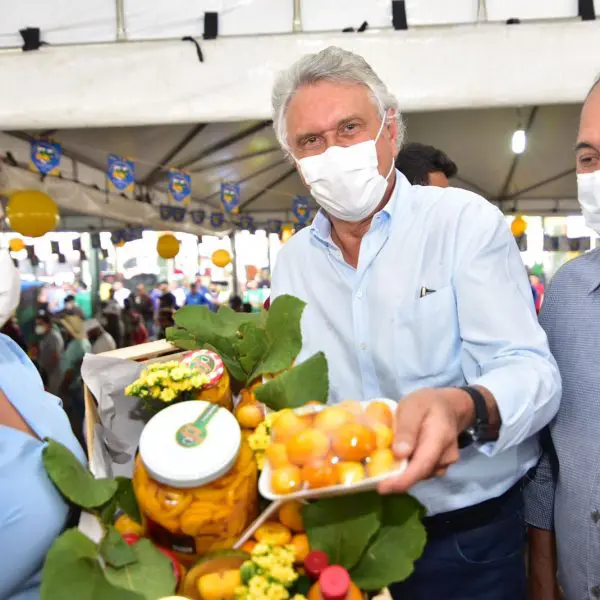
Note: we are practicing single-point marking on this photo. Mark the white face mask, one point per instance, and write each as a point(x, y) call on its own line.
point(345, 181)
point(10, 287)
point(588, 194)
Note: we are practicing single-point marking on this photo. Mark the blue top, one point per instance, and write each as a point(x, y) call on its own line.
point(32, 512)
point(564, 493)
point(440, 298)
point(198, 299)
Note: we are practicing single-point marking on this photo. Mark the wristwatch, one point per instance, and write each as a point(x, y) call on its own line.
point(479, 432)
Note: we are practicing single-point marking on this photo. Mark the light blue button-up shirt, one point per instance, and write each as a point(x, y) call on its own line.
point(439, 298)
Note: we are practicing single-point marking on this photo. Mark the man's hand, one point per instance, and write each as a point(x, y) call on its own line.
point(428, 423)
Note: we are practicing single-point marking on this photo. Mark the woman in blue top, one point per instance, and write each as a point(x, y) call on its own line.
point(32, 512)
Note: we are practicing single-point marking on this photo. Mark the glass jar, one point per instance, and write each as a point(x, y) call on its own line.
point(218, 390)
point(195, 479)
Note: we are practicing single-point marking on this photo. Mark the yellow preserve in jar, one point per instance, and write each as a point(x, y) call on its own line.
point(195, 479)
point(218, 389)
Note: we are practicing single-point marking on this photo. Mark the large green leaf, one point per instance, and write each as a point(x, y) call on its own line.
point(152, 575)
point(126, 500)
point(303, 383)
point(73, 480)
point(182, 338)
point(71, 570)
point(398, 544)
point(251, 346)
point(115, 550)
point(284, 335)
point(342, 527)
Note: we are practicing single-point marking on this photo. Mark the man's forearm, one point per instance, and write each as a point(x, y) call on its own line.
point(543, 584)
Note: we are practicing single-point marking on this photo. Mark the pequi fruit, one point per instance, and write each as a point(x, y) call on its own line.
point(273, 534)
point(219, 562)
point(286, 424)
point(379, 412)
point(331, 418)
point(290, 515)
point(285, 480)
point(383, 435)
point(301, 547)
point(353, 442)
point(380, 462)
point(306, 446)
point(219, 586)
point(250, 415)
point(276, 455)
point(318, 474)
point(349, 472)
point(125, 524)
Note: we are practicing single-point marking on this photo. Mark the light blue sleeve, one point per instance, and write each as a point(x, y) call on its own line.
point(504, 348)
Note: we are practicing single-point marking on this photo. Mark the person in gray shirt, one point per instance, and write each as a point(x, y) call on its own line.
point(562, 496)
point(51, 347)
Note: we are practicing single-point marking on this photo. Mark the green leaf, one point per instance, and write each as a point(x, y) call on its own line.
point(71, 570)
point(115, 550)
point(126, 499)
point(398, 544)
point(181, 338)
point(284, 335)
point(107, 512)
point(297, 386)
point(251, 346)
point(231, 362)
point(342, 527)
point(152, 576)
point(73, 480)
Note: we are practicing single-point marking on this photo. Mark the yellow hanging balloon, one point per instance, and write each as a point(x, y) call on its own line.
point(16, 245)
point(221, 258)
point(31, 213)
point(287, 231)
point(518, 226)
point(167, 246)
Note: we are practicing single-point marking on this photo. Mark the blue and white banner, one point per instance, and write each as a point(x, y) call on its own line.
point(274, 226)
point(45, 157)
point(230, 197)
point(180, 187)
point(301, 209)
point(217, 219)
point(247, 223)
point(198, 216)
point(169, 212)
point(121, 173)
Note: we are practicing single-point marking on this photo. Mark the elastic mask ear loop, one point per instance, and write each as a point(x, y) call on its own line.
point(377, 138)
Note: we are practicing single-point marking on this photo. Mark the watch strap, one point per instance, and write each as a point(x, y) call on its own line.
point(479, 430)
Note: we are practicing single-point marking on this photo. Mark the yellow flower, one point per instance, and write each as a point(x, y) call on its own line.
point(155, 391)
point(168, 395)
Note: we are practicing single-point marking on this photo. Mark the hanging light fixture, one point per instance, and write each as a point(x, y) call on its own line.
point(519, 141)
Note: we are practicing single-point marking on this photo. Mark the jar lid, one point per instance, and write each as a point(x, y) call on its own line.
point(190, 444)
point(207, 362)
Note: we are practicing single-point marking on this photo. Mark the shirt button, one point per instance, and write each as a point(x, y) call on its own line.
point(596, 516)
point(359, 294)
point(363, 346)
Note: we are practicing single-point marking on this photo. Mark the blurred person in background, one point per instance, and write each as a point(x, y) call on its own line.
point(111, 318)
point(425, 165)
point(51, 346)
point(139, 333)
point(33, 513)
point(236, 304)
point(72, 308)
point(197, 296)
point(167, 298)
point(120, 292)
point(100, 340)
point(164, 320)
point(142, 303)
point(71, 384)
point(12, 330)
point(247, 308)
point(179, 291)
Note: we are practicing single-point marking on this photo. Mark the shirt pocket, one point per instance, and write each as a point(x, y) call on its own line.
point(426, 338)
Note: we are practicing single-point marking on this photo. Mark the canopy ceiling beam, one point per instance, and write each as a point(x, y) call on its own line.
point(271, 185)
point(169, 156)
point(539, 184)
point(515, 163)
point(240, 157)
point(244, 179)
point(232, 139)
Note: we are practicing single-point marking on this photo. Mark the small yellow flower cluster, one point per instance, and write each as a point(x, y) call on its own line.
point(166, 381)
point(260, 439)
point(269, 574)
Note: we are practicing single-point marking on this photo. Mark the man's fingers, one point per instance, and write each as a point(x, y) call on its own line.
point(409, 421)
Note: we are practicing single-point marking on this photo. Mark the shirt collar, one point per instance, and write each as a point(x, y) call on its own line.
point(321, 225)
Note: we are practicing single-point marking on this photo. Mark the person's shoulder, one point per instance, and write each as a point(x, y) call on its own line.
point(295, 247)
point(582, 272)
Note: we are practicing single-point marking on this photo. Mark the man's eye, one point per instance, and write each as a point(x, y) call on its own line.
point(310, 140)
point(350, 127)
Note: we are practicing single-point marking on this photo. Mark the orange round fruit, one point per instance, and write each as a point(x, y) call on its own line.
point(248, 546)
point(286, 480)
point(349, 472)
point(290, 515)
point(274, 534)
point(249, 415)
point(307, 445)
point(276, 455)
point(384, 436)
point(301, 547)
point(353, 442)
point(318, 474)
point(332, 418)
point(379, 412)
point(354, 407)
point(380, 462)
point(286, 424)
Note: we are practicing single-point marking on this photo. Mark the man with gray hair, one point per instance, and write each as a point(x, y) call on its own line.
point(562, 497)
point(418, 294)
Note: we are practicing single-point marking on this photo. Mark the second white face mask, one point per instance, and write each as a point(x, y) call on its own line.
point(345, 181)
point(588, 194)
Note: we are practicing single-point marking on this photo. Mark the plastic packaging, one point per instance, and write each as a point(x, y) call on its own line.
point(320, 450)
point(195, 479)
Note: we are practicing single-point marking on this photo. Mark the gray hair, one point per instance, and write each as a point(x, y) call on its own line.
point(339, 66)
